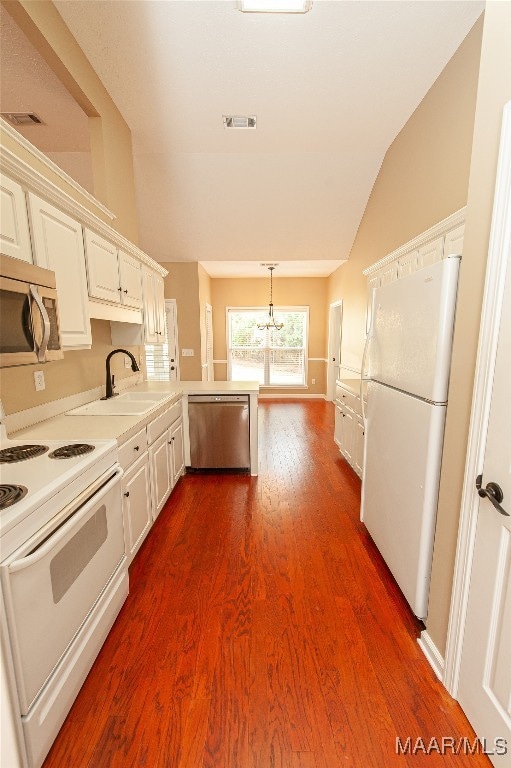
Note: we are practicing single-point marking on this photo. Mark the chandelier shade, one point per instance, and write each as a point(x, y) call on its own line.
point(270, 323)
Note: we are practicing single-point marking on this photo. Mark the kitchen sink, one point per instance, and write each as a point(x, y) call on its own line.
point(136, 396)
point(118, 406)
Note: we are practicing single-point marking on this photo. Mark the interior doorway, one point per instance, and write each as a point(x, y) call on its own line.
point(334, 347)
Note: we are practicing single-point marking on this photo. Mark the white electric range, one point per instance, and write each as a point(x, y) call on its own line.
point(63, 573)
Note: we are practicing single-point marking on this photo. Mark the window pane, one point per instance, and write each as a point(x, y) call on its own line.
point(293, 332)
point(286, 367)
point(247, 365)
point(244, 330)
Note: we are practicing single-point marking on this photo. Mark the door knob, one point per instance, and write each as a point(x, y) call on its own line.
point(493, 492)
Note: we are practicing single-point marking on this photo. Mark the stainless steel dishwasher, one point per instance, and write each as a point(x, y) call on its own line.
point(219, 431)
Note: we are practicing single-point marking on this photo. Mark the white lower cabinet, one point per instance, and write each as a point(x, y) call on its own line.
point(161, 477)
point(177, 452)
point(136, 509)
point(349, 428)
point(153, 461)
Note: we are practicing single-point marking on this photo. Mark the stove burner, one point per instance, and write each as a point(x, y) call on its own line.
point(10, 494)
point(68, 451)
point(21, 453)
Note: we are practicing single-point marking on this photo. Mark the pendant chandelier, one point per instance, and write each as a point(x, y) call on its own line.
point(270, 323)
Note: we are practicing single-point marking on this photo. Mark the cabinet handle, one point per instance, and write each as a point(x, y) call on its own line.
point(125, 290)
point(127, 494)
point(136, 448)
point(119, 288)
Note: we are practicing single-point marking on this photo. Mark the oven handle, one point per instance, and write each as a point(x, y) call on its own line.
point(41, 352)
point(49, 543)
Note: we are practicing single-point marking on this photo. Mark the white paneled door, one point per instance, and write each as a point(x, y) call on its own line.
point(485, 679)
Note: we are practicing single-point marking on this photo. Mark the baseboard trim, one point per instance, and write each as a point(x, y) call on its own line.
point(432, 654)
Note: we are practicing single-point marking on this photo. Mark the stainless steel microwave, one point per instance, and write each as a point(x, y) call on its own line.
point(29, 318)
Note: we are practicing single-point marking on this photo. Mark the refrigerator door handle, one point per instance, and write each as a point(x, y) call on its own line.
point(362, 374)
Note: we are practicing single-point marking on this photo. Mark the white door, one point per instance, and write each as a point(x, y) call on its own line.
point(130, 281)
point(334, 348)
point(172, 338)
point(485, 674)
point(210, 373)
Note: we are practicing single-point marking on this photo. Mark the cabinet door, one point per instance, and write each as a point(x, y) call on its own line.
point(136, 505)
point(150, 327)
point(453, 244)
point(359, 446)
point(430, 253)
point(58, 245)
point(14, 234)
point(159, 293)
point(348, 434)
point(159, 457)
point(177, 450)
point(130, 280)
point(103, 268)
point(372, 282)
point(407, 264)
point(338, 426)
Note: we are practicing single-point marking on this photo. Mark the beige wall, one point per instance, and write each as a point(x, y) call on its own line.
point(77, 372)
point(80, 370)
point(182, 284)
point(238, 292)
point(110, 137)
point(493, 92)
point(423, 179)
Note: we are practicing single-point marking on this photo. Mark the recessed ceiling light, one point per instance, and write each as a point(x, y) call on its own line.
point(275, 6)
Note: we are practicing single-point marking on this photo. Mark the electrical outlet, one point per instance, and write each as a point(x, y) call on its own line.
point(313, 381)
point(39, 381)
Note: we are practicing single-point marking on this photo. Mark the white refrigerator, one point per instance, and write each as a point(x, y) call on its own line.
point(408, 353)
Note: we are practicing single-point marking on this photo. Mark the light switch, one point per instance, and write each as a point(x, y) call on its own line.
point(187, 353)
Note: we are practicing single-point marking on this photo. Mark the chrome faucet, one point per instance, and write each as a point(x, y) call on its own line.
point(110, 392)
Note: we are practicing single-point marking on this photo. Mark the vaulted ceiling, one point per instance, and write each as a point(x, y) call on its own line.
point(331, 89)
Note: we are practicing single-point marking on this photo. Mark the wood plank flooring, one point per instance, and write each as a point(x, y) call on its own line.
point(263, 630)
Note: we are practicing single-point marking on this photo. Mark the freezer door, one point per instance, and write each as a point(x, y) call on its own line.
point(403, 451)
point(410, 339)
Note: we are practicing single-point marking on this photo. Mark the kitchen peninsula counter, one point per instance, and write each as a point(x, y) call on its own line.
point(121, 428)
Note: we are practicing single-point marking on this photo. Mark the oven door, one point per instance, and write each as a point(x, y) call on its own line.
point(53, 581)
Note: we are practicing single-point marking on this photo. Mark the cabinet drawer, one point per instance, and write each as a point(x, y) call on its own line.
point(347, 398)
point(133, 448)
point(158, 426)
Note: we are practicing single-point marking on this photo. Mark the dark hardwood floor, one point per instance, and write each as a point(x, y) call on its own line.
point(263, 630)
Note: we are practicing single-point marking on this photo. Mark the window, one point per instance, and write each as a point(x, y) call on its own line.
point(273, 358)
point(157, 362)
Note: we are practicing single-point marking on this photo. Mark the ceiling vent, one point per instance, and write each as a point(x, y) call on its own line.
point(269, 264)
point(22, 118)
point(239, 121)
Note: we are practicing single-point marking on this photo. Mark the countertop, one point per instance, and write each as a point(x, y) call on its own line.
point(121, 428)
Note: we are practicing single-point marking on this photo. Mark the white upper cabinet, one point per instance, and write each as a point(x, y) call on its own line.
point(430, 253)
point(453, 245)
point(130, 278)
point(14, 234)
point(113, 275)
point(154, 307)
point(58, 245)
